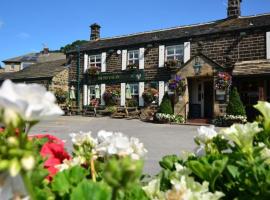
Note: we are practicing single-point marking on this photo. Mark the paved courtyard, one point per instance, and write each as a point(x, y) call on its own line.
point(159, 139)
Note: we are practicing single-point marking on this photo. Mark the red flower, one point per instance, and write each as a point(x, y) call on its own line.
point(55, 153)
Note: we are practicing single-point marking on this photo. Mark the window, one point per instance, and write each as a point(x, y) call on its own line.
point(95, 61)
point(175, 52)
point(133, 57)
point(92, 92)
point(134, 89)
point(12, 66)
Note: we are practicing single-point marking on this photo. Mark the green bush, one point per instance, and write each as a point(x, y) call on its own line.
point(166, 105)
point(235, 106)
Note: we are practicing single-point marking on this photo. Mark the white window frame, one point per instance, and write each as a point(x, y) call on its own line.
point(91, 89)
point(132, 90)
point(133, 60)
point(95, 63)
point(174, 54)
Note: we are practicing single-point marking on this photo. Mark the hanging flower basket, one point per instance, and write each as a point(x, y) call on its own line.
point(177, 85)
point(150, 95)
point(132, 67)
point(223, 81)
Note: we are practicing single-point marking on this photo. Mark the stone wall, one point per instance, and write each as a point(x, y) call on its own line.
point(60, 81)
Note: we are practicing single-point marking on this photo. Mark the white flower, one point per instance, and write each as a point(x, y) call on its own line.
point(206, 134)
point(82, 137)
point(32, 102)
point(28, 162)
point(138, 149)
point(242, 135)
point(119, 144)
point(103, 136)
point(153, 190)
point(76, 161)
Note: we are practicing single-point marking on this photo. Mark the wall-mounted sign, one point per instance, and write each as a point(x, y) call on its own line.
point(220, 95)
point(116, 77)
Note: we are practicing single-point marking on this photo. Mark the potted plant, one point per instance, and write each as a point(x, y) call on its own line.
point(172, 64)
point(93, 71)
point(177, 85)
point(111, 96)
point(150, 95)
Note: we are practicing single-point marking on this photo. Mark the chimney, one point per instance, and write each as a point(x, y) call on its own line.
point(95, 31)
point(234, 8)
point(45, 50)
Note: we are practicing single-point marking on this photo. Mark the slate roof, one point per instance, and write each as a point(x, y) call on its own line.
point(40, 70)
point(37, 57)
point(255, 67)
point(218, 26)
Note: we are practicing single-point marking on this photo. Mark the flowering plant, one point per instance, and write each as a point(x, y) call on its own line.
point(178, 85)
point(223, 81)
point(150, 95)
point(165, 118)
point(228, 120)
point(93, 71)
point(172, 64)
point(111, 96)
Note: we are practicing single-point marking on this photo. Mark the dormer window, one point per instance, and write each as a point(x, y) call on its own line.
point(175, 52)
point(133, 57)
point(95, 61)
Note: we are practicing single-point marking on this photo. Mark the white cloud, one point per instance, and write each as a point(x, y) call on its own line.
point(23, 35)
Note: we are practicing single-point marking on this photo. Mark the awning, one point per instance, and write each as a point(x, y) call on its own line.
point(254, 67)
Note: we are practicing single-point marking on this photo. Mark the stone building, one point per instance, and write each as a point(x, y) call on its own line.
point(52, 75)
point(18, 63)
point(238, 46)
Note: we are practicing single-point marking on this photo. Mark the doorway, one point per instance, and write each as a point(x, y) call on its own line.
point(200, 98)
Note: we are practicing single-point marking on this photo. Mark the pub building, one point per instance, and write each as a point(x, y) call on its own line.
point(237, 47)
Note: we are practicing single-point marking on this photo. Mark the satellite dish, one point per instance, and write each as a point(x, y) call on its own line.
point(118, 52)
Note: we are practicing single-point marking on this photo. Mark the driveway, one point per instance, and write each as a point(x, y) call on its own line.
point(159, 139)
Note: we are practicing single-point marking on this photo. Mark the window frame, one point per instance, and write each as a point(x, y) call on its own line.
point(95, 64)
point(174, 55)
point(133, 59)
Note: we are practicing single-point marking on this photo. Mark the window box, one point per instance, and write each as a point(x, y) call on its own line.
point(133, 67)
point(173, 64)
point(92, 71)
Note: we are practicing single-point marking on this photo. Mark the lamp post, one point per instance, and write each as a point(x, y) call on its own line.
point(78, 75)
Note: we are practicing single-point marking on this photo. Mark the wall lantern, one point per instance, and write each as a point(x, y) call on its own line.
point(197, 66)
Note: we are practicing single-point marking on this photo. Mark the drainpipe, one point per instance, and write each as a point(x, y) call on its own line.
point(78, 76)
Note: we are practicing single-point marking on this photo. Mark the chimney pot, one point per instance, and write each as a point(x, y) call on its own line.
point(234, 8)
point(95, 31)
point(45, 50)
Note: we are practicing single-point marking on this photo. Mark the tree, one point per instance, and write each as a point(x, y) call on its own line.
point(72, 46)
point(235, 105)
point(166, 105)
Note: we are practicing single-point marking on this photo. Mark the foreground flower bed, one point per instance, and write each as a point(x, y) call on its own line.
point(233, 163)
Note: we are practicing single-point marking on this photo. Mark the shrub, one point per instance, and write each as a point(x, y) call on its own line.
point(235, 106)
point(166, 105)
point(60, 95)
point(132, 103)
point(110, 97)
point(228, 120)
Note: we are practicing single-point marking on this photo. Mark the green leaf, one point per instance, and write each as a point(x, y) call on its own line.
point(208, 168)
point(168, 162)
point(77, 174)
point(60, 183)
point(88, 190)
point(233, 170)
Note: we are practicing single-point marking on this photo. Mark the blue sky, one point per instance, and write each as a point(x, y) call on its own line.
point(25, 25)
